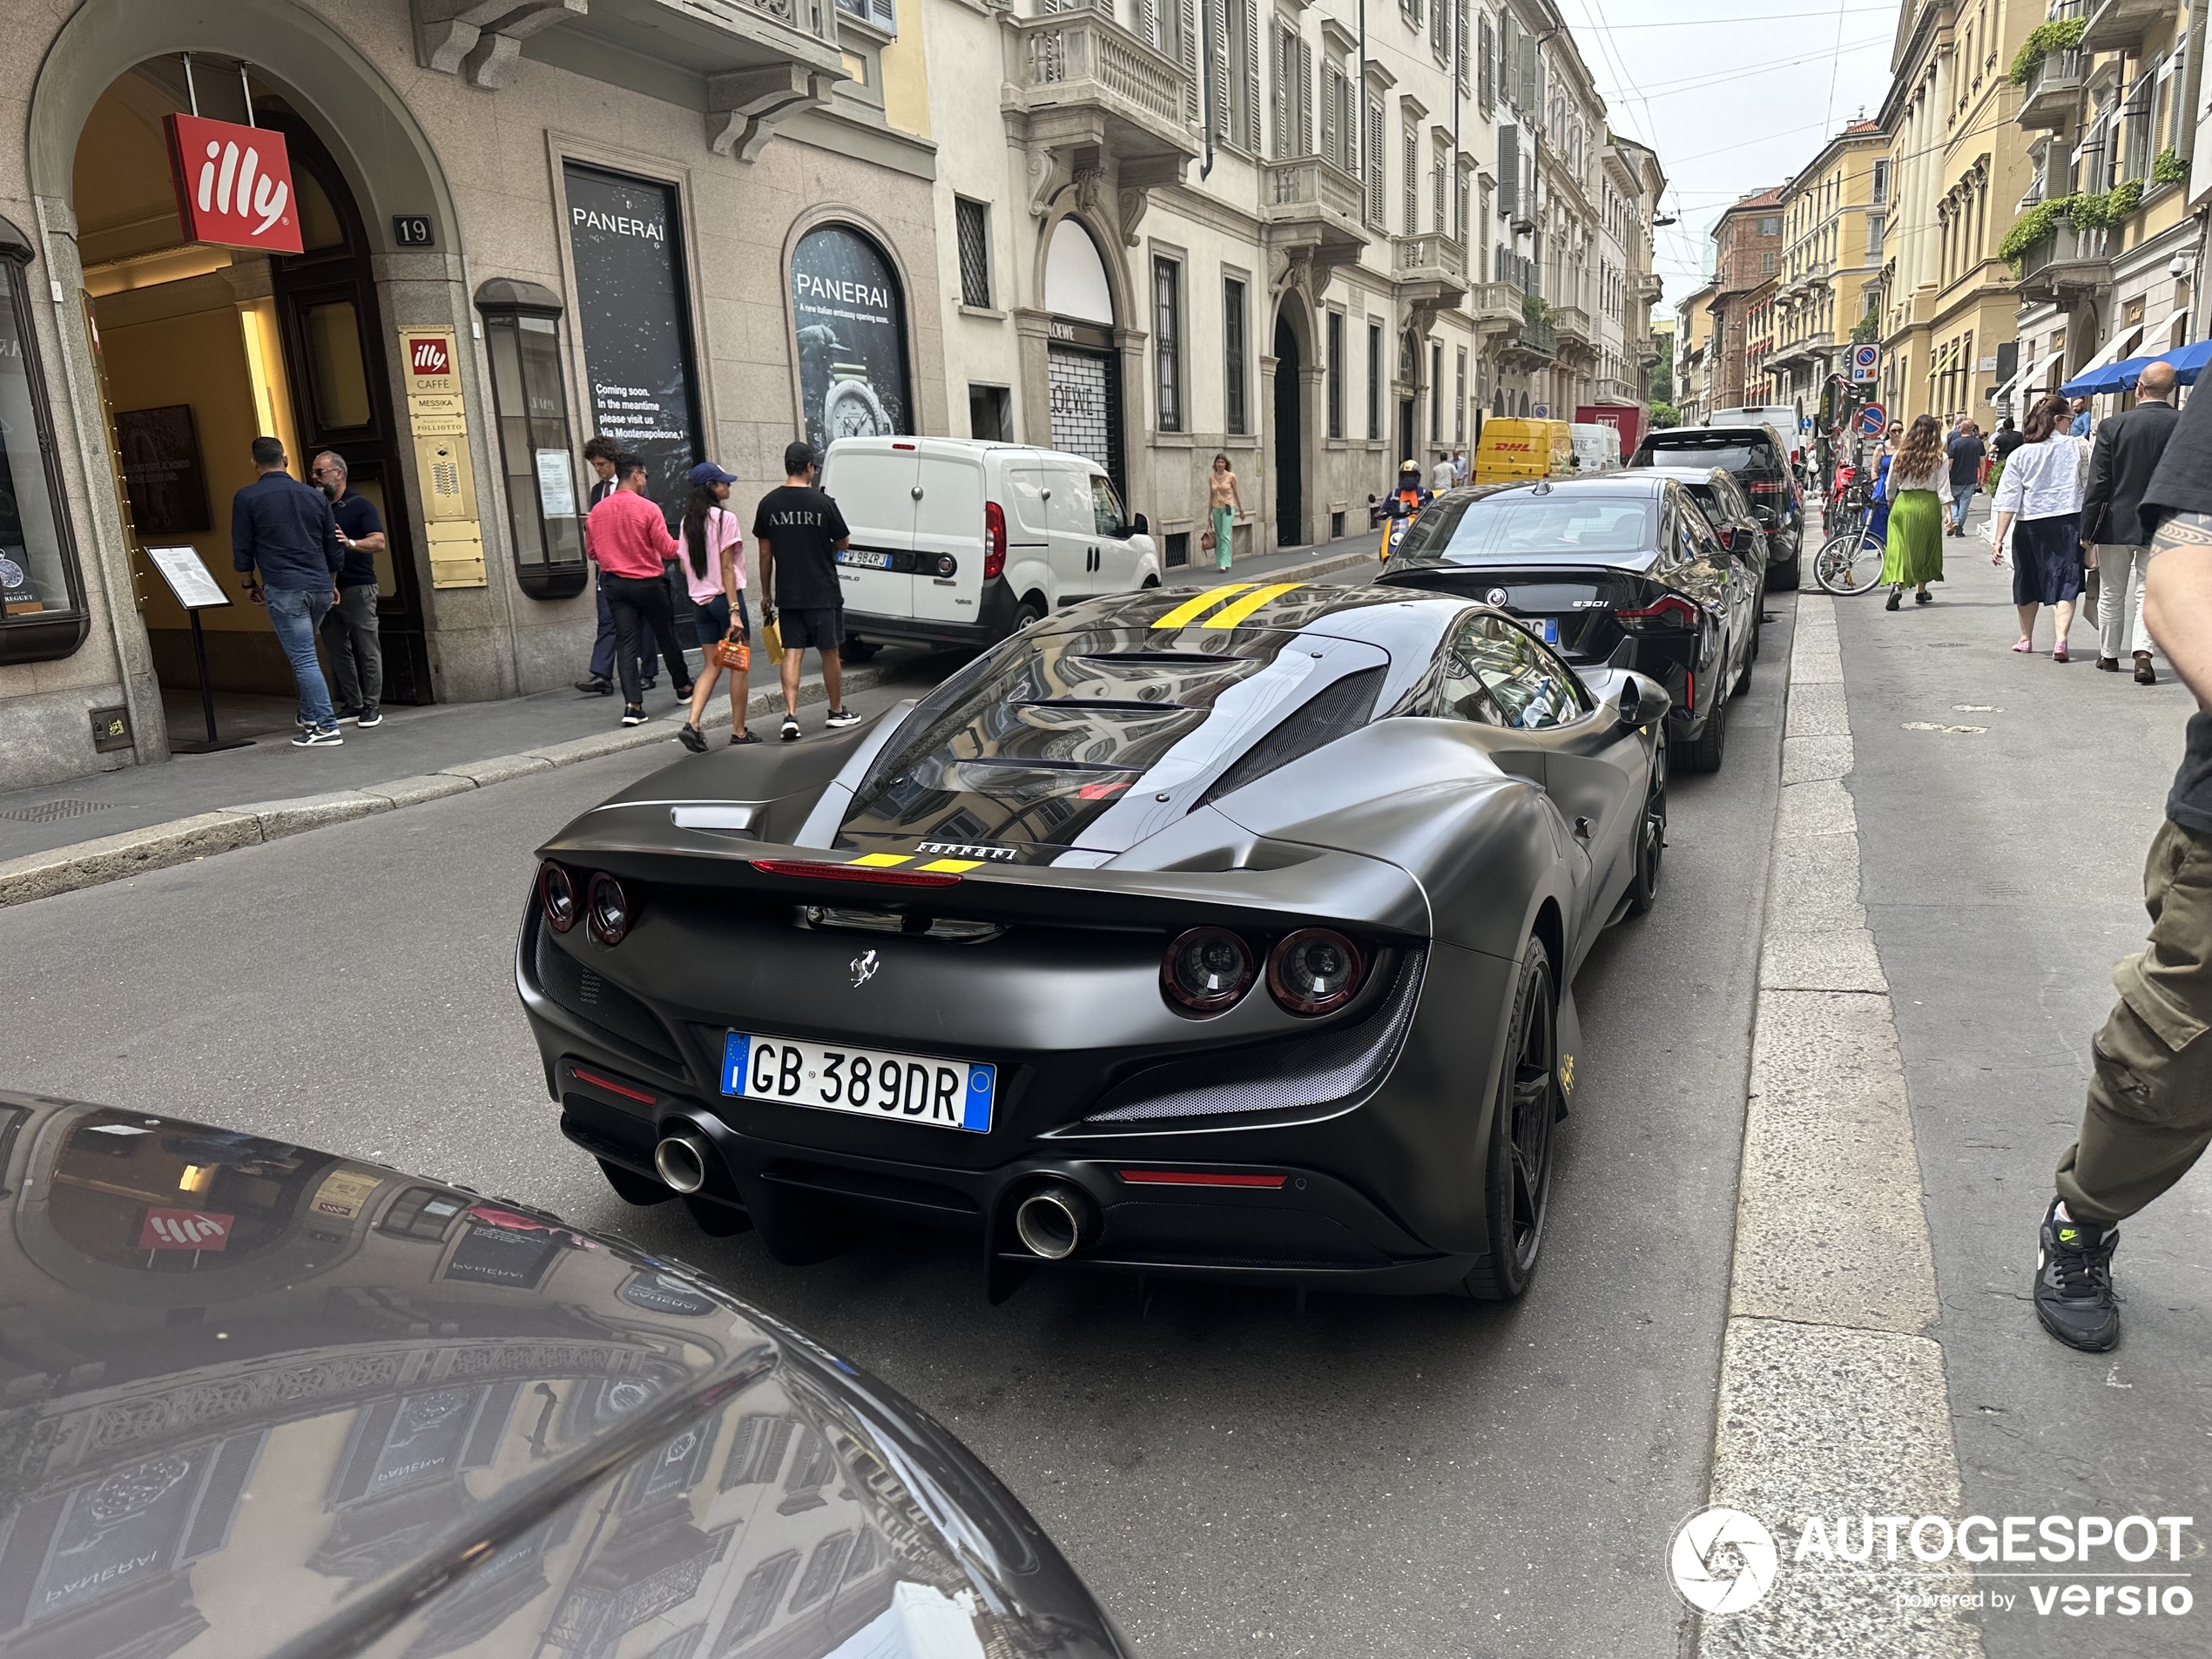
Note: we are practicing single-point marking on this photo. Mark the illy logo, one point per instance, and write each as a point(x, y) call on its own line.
point(233, 185)
point(426, 355)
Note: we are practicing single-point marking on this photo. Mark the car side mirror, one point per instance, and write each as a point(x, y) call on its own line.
point(1631, 701)
point(1140, 525)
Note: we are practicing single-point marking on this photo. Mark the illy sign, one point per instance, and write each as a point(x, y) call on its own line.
point(429, 354)
point(233, 185)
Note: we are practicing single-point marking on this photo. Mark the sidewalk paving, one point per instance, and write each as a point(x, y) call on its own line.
point(104, 825)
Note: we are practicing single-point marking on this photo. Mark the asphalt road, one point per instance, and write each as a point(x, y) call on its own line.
point(1391, 1477)
point(2003, 853)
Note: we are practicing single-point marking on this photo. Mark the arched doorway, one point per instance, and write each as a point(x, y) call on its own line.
point(1290, 440)
point(203, 347)
point(1082, 369)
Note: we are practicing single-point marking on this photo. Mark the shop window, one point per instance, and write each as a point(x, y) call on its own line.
point(335, 371)
point(40, 584)
point(974, 252)
point(537, 452)
point(849, 310)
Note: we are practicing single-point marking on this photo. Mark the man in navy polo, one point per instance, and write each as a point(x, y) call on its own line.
point(285, 543)
point(349, 628)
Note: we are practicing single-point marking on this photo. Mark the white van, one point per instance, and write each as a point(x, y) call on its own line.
point(957, 541)
point(1597, 446)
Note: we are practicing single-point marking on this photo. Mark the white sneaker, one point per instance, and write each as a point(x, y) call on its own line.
point(635, 716)
point(318, 737)
point(841, 717)
point(790, 728)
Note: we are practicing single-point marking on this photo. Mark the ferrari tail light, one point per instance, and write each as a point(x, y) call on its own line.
point(557, 894)
point(1668, 611)
point(993, 541)
point(1202, 1178)
point(1315, 970)
point(1207, 969)
point(823, 869)
point(609, 911)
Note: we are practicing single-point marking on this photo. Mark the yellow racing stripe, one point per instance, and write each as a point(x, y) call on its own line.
point(1251, 601)
point(951, 867)
point(1190, 610)
point(881, 861)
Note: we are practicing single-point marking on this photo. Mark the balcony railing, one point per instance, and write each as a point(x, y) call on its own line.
point(1311, 182)
point(1538, 340)
point(1574, 324)
point(1082, 60)
point(2066, 260)
point(2052, 94)
point(2119, 26)
point(1495, 305)
point(1431, 256)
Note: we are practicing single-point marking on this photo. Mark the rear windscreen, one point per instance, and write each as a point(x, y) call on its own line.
point(1035, 742)
point(1462, 531)
point(1734, 456)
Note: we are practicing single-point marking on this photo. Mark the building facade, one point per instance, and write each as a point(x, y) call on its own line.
point(1694, 355)
point(1834, 216)
point(2108, 237)
point(1747, 261)
point(497, 230)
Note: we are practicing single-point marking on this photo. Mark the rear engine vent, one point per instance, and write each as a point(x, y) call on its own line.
point(1339, 709)
point(1336, 1063)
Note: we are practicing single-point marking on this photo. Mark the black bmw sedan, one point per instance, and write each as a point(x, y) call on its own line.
point(263, 1400)
point(1622, 569)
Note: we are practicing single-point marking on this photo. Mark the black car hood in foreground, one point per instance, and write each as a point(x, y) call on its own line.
point(257, 1398)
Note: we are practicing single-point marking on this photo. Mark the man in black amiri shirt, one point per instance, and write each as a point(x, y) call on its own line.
point(2149, 1114)
point(798, 531)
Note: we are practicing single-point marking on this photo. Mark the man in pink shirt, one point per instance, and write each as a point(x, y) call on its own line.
point(628, 539)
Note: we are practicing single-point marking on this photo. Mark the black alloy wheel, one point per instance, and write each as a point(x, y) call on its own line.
point(1523, 1139)
point(1651, 835)
point(1705, 751)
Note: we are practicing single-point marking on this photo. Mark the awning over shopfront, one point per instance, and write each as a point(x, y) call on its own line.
point(2095, 375)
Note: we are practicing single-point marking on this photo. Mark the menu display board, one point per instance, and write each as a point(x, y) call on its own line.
point(625, 246)
point(850, 321)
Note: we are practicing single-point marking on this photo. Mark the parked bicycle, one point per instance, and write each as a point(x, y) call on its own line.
point(1849, 561)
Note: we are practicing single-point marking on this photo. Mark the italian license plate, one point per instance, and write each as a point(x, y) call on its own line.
point(866, 559)
point(870, 1083)
point(1551, 630)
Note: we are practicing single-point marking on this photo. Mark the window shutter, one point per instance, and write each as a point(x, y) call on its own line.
point(1373, 160)
point(1508, 172)
point(1217, 66)
point(884, 14)
point(1252, 74)
point(1305, 98)
point(1459, 42)
point(1330, 152)
point(1283, 55)
point(1486, 86)
point(1412, 184)
point(1187, 45)
point(1147, 21)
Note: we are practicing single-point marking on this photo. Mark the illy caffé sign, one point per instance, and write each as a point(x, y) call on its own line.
point(233, 185)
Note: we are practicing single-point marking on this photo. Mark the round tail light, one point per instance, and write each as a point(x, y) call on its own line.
point(608, 910)
point(1207, 969)
point(1315, 970)
point(557, 894)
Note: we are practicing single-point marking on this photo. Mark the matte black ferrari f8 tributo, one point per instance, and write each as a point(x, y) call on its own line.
point(1225, 934)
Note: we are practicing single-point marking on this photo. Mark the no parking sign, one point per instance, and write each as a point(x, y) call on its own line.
point(1871, 419)
point(1866, 362)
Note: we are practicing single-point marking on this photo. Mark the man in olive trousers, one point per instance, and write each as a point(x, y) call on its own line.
point(2149, 1114)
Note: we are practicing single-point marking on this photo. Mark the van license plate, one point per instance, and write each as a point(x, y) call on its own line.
point(867, 559)
point(872, 1082)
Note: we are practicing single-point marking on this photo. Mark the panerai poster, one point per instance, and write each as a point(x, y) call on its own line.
point(625, 240)
point(850, 319)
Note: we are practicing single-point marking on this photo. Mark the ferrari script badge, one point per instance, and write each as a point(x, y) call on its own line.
point(864, 969)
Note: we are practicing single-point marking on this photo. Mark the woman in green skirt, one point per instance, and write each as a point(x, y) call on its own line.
point(1913, 555)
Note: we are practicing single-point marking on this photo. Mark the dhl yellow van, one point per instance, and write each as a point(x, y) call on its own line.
point(1512, 449)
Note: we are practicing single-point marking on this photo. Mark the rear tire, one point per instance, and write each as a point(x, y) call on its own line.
point(1029, 612)
point(1705, 751)
point(1523, 1133)
point(633, 1188)
point(1785, 577)
point(858, 650)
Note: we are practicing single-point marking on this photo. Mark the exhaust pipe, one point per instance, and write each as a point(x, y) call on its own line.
point(682, 1161)
point(1056, 1220)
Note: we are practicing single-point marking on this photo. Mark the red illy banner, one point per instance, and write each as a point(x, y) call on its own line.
point(233, 185)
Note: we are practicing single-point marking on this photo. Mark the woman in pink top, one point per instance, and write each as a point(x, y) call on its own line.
point(713, 559)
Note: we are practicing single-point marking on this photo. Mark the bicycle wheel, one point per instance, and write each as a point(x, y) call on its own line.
point(1849, 563)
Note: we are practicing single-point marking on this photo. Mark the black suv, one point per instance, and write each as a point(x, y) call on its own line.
point(1748, 454)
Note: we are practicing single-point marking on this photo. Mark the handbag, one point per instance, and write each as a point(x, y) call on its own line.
point(1205, 542)
point(733, 652)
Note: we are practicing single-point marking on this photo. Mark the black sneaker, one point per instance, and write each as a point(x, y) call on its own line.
point(369, 717)
point(633, 715)
point(790, 728)
point(841, 717)
point(684, 692)
point(2073, 1295)
point(318, 737)
point(596, 687)
point(739, 738)
point(348, 715)
point(692, 737)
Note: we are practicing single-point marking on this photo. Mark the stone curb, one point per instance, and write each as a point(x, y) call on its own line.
point(115, 858)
